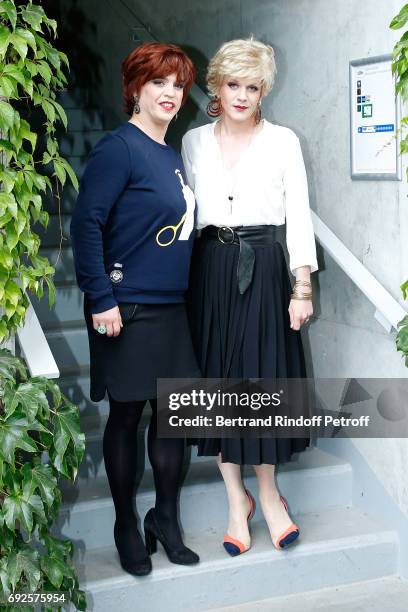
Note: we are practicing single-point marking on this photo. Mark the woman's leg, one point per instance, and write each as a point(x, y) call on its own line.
point(120, 455)
point(166, 458)
point(273, 509)
point(239, 505)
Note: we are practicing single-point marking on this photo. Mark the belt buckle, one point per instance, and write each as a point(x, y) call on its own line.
point(232, 235)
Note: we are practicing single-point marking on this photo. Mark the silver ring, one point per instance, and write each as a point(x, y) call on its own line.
point(101, 329)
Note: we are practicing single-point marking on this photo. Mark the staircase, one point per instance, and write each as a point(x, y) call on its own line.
point(342, 549)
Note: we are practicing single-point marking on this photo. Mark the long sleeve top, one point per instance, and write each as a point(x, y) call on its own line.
point(269, 186)
point(132, 226)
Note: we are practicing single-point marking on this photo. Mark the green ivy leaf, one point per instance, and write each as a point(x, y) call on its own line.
point(60, 171)
point(26, 396)
point(401, 19)
point(60, 549)
point(10, 365)
point(13, 434)
point(45, 71)
point(51, 291)
point(39, 181)
point(6, 115)
point(11, 237)
point(6, 260)
point(34, 15)
point(67, 428)
point(48, 110)
point(70, 173)
point(19, 44)
point(24, 562)
point(54, 569)
point(404, 286)
point(4, 39)
point(27, 134)
point(64, 58)
point(15, 72)
point(42, 479)
point(61, 113)
point(28, 37)
point(8, 87)
point(10, 10)
point(21, 222)
point(78, 598)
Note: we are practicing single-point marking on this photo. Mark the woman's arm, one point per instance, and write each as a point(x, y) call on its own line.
point(105, 177)
point(299, 231)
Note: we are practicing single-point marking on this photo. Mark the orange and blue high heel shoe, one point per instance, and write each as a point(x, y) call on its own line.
point(290, 534)
point(233, 546)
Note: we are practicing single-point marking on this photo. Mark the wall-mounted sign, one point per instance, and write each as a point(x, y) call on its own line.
point(374, 120)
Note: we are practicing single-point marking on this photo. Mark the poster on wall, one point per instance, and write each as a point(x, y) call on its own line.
point(374, 120)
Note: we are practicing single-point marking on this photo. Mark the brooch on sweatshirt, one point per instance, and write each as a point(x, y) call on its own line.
point(116, 275)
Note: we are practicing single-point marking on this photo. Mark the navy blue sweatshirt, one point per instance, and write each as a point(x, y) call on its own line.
point(132, 227)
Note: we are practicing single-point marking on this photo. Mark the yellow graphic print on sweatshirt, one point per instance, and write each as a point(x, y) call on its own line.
point(187, 220)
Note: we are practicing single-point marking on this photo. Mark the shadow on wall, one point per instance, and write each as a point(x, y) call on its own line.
point(76, 34)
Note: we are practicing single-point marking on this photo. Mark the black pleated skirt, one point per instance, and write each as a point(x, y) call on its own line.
point(154, 342)
point(244, 336)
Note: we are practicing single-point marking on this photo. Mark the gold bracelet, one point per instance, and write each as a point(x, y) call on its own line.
point(302, 283)
point(303, 297)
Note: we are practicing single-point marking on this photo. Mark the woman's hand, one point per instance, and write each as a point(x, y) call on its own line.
point(111, 319)
point(299, 311)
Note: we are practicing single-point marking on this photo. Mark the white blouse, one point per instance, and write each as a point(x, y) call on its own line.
point(269, 185)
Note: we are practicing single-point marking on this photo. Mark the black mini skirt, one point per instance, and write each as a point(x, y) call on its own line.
point(154, 342)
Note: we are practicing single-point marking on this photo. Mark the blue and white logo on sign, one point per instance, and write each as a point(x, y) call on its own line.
point(372, 129)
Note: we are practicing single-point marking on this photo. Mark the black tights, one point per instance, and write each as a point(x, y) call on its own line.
point(120, 454)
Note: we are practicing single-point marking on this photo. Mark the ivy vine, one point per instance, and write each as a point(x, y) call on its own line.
point(40, 437)
point(35, 418)
point(31, 74)
point(400, 70)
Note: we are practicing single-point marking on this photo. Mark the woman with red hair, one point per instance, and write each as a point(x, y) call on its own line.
point(132, 233)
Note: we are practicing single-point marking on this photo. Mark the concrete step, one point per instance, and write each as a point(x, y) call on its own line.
point(70, 348)
point(312, 480)
point(79, 144)
point(337, 546)
point(390, 593)
point(76, 387)
point(66, 310)
point(92, 470)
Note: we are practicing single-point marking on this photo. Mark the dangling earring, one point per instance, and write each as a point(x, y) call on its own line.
point(214, 108)
point(258, 113)
point(176, 117)
point(136, 107)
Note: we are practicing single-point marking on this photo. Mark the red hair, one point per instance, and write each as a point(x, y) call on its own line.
point(155, 60)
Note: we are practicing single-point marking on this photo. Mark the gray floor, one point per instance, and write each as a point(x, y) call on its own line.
point(370, 596)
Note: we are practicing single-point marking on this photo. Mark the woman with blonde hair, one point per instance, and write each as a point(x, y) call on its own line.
point(249, 178)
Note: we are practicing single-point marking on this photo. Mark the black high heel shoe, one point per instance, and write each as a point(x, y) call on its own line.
point(153, 532)
point(140, 564)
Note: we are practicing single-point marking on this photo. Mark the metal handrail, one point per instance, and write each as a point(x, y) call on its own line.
point(388, 310)
point(34, 347)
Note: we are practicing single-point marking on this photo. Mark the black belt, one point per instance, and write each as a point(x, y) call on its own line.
point(244, 236)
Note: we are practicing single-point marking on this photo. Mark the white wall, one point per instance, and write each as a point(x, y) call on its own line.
point(314, 41)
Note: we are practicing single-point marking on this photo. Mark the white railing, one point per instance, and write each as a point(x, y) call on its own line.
point(34, 347)
point(388, 311)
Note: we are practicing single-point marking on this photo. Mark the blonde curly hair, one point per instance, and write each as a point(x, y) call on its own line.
point(245, 58)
